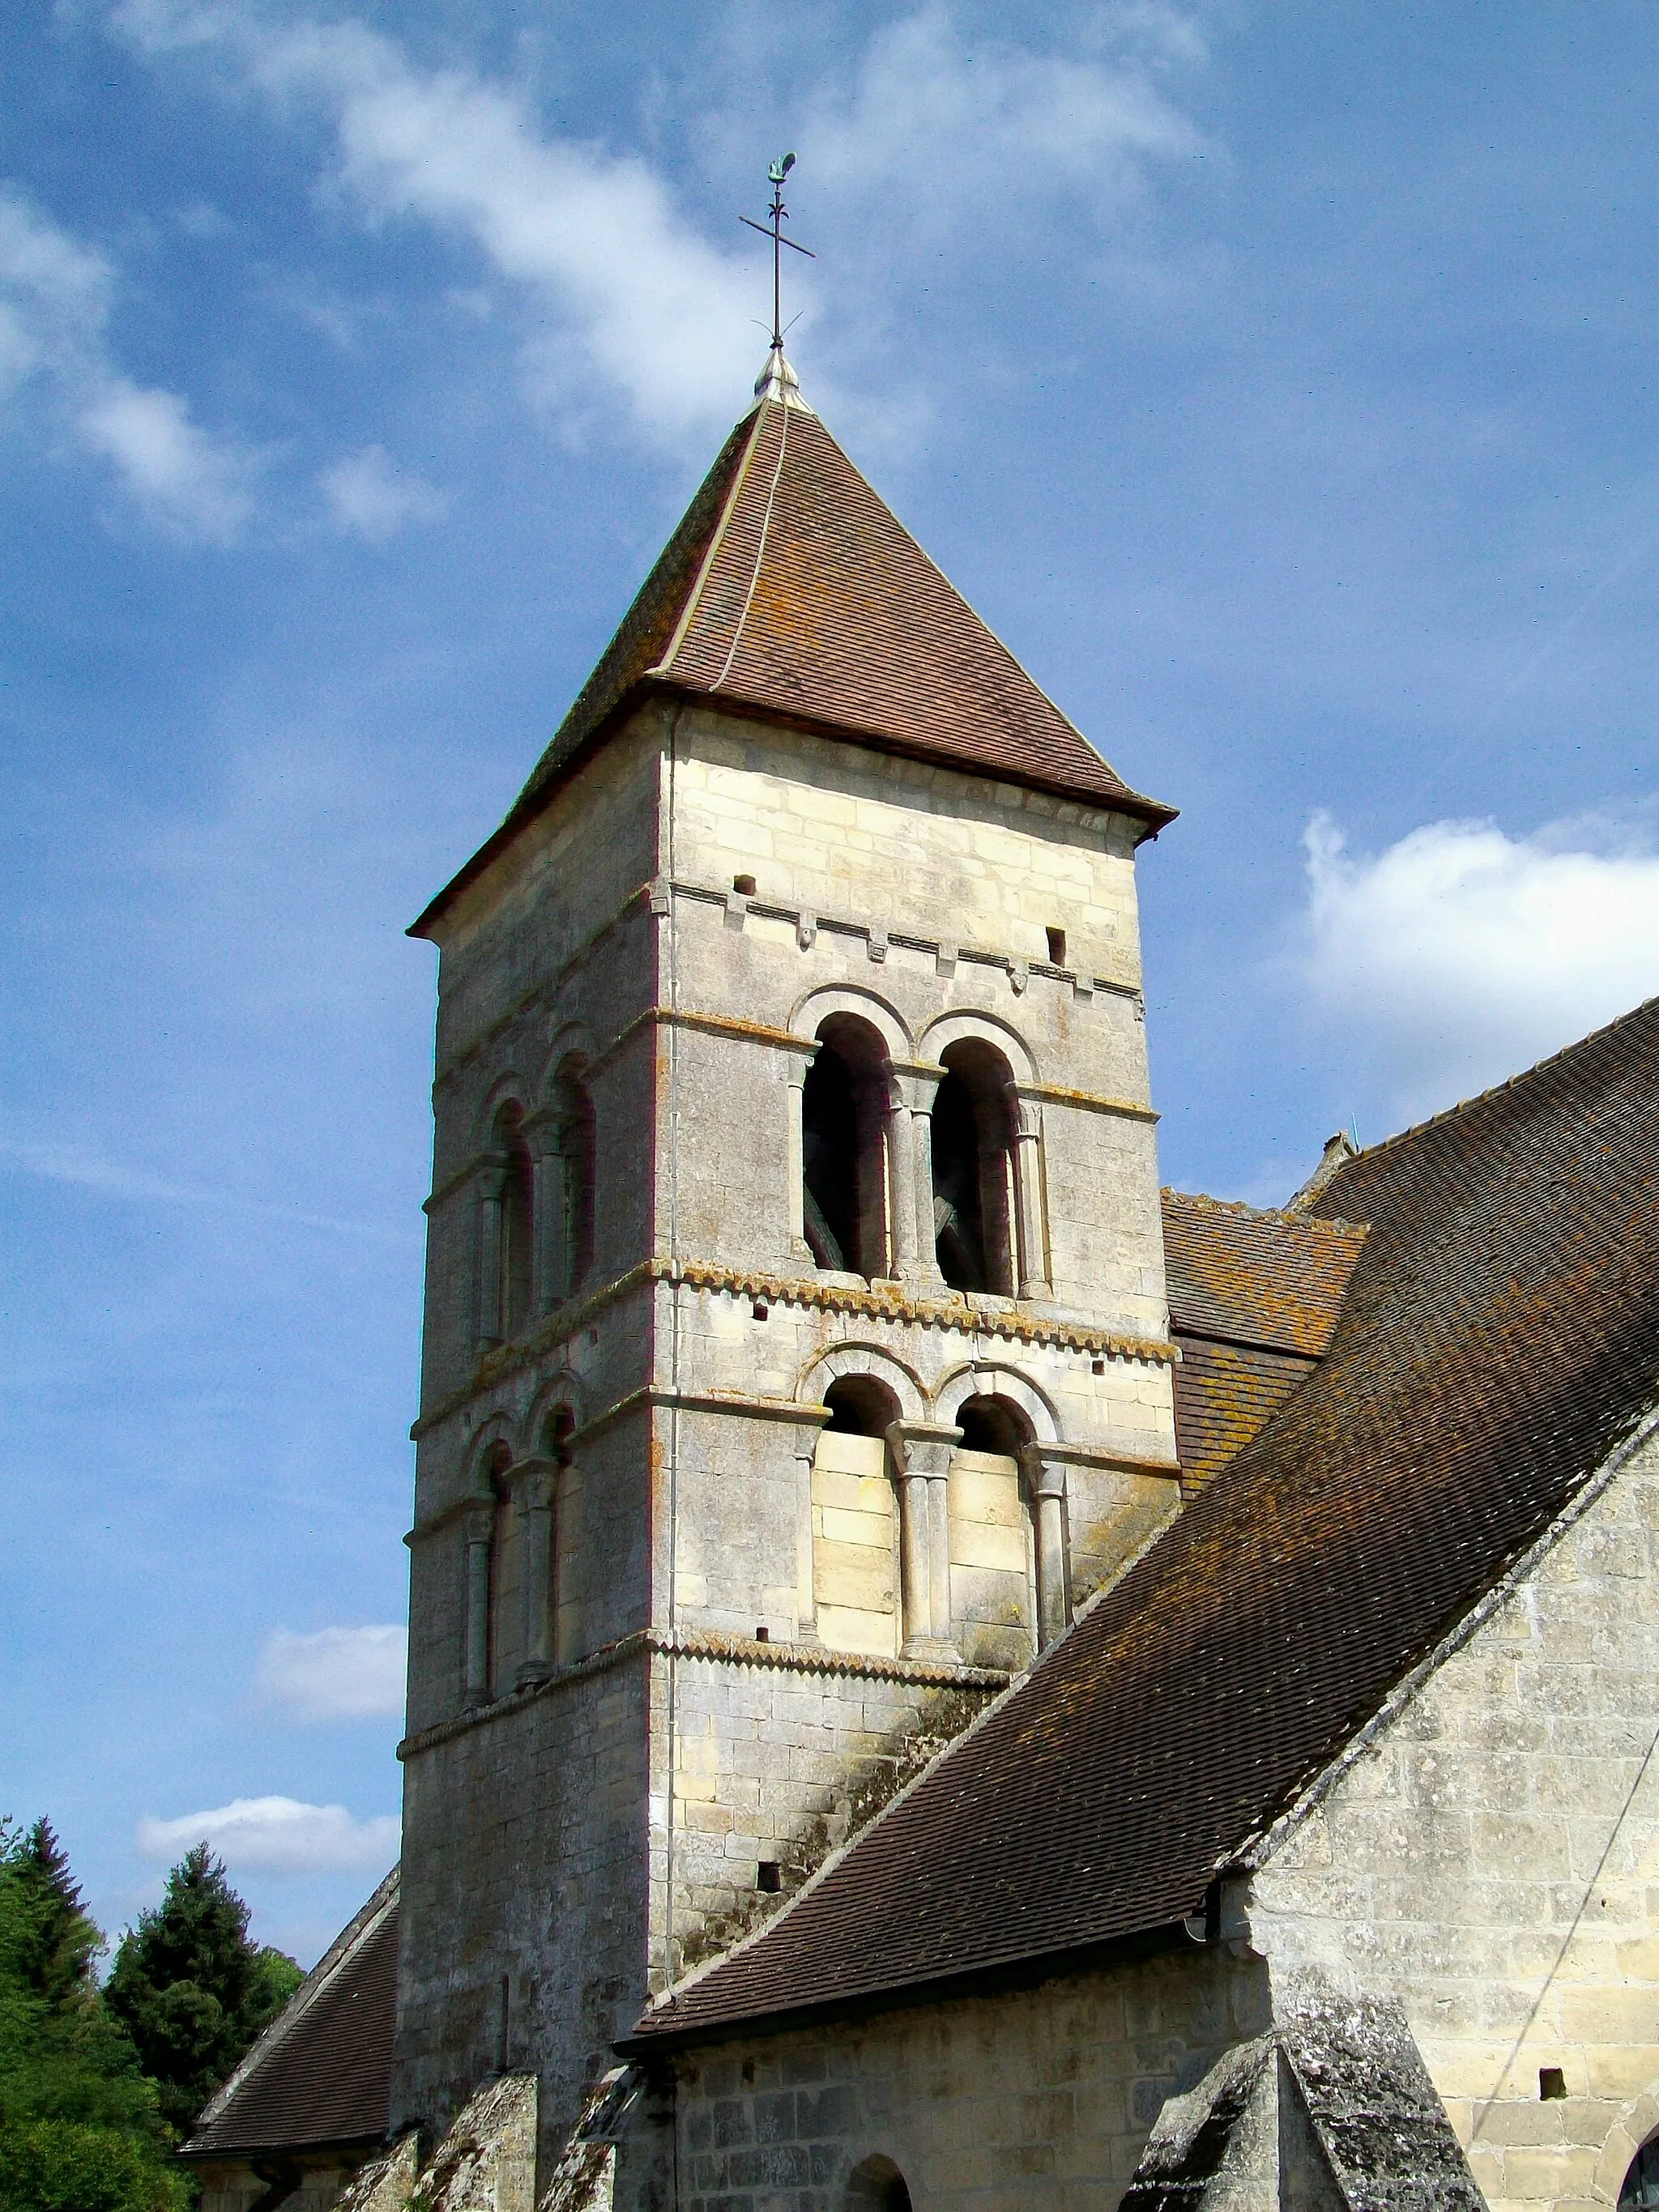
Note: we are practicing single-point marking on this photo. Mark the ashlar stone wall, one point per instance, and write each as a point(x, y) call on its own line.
point(1492, 1860)
point(585, 1821)
point(1035, 2100)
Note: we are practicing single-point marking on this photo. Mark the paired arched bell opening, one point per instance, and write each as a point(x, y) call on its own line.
point(937, 1533)
point(906, 1173)
point(518, 1604)
point(536, 1206)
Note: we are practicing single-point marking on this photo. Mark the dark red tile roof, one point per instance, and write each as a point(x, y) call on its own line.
point(1225, 1396)
point(1499, 1339)
point(1253, 1277)
point(789, 590)
point(320, 2076)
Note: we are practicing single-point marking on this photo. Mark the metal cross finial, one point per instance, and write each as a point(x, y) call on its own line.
point(772, 229)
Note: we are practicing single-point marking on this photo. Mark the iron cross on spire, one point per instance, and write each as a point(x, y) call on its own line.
point(772, 229)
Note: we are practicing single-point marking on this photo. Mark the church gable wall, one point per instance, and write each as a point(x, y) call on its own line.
point(1039, 2099)
point(1492, 1860)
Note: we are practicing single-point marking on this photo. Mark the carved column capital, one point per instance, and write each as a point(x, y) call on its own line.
point(1045, 1472)
point(923, 1447)
point(535, 1483)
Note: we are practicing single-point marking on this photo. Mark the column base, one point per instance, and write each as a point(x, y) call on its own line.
point(936, 1650)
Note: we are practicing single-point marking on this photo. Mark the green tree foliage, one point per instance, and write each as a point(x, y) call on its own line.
point(192, 1990)
point(81, 2128)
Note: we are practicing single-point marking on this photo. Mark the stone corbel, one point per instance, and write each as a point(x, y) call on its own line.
point(921, 1454)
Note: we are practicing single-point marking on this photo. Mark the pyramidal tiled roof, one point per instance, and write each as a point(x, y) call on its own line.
point(790, 590)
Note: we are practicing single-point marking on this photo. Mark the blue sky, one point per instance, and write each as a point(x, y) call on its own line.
point(1275, 379)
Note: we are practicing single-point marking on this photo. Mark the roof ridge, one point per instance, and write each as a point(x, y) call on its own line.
point(1242, 1209)
point(717, 537)
point(1496, 1090)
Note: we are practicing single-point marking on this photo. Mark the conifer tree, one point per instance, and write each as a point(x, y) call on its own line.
point(192, 1990)
point(80, 2127)
point(55, 1940)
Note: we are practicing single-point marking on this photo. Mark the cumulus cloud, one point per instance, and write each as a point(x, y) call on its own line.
point(54, 313)
point(275, 1835)
point(990, 123)
point(629, 296)
point(334, 1673)
point(369, 494)
point(639, 296)
point(1461, 954)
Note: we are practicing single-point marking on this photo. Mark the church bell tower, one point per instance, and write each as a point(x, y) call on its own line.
point(797, 1358)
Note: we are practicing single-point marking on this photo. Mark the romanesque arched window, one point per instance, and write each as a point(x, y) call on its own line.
point(993, 1534)
point(517, 1261)
point(573, 1107)
point(505, 1252)
point(1640, 2193)
point(846, 1101)
point(855, 1530)
point(877, 2185)
point(974, 1190)
point(506, 1576)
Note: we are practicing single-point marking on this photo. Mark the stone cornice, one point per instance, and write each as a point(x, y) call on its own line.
point(718, 1651)
point(655, 898)
point(1007, 1321)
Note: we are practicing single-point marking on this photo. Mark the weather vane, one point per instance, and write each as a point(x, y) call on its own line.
point(773, 229)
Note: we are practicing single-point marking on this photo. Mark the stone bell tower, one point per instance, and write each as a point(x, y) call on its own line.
point(797, 1357)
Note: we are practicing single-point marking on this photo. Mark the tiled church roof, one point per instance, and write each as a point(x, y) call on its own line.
point(1254, 1297)
point(320, 2076)
point(790, 590)
point(1253, 1277)
point(1499, 1339)
point(1225, 1396)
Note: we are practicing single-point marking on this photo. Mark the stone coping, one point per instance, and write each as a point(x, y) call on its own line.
point(720, 1650)
point(1013, 1323)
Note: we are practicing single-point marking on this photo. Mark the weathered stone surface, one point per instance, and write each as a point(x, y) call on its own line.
point(1488, 1863)
point(487, 2161)
point(718, 1684)
point(385, 2185)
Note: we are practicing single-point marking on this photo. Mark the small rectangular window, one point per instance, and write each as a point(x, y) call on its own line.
point(768, 1876)
point(743, 886)
point(1056, 945)
point(1552, 2083)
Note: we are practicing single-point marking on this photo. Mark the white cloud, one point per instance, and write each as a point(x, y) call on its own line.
point(334, 1675)
point(367, 493)
point(640, 299)
point(942, 131)
point(1461, 955)
point(928, 132)
point(170, 462)
point(54, 310)
point(275, 1835)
